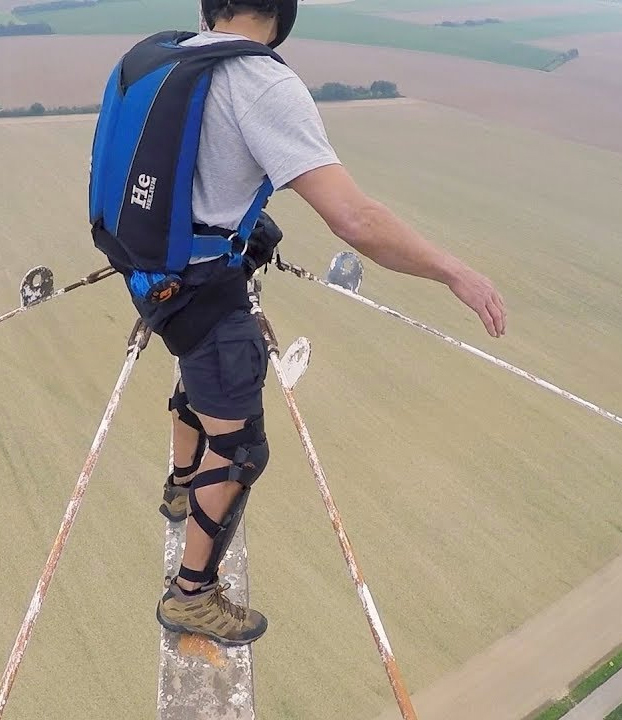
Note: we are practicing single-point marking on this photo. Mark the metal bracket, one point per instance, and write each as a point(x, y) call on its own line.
point(346, 270)
point(295, 361)
point(38, 284)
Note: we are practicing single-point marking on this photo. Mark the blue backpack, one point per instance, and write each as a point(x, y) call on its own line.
point(143, 163)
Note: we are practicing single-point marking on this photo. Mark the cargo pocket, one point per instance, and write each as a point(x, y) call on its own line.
point(242, 357)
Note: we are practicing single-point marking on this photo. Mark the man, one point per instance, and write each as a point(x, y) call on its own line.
point(259, 120)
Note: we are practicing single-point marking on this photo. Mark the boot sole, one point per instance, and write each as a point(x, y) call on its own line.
point(212, 636)
point(172, 518)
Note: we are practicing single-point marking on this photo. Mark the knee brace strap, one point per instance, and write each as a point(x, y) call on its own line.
point(251, 434)
point(244, 471)
point(181, 472)
point(222, 535)
point(198, 576)
point(210, 527)
point(222, 540)
point(247, 466)
point(179, 402)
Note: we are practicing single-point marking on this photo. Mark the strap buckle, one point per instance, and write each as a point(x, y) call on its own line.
point(235, 258)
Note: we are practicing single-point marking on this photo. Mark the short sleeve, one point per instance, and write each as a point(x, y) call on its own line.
point(285, 133)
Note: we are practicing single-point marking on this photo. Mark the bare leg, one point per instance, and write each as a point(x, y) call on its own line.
point(185, 441)
point(215, 501)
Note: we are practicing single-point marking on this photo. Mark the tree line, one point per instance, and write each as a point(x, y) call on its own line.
point(560, 59)
point(37, 109)
point(39, 28)
point(329, 92)
point(339, 92)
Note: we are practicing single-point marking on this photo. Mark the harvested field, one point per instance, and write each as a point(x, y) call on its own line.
point(599, 62)
point(501, 10)
point(554, 103)
point(607, 45)
point(474, 499)
point(584, 110)
point(58, 69)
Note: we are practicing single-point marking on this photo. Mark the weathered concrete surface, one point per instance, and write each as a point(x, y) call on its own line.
point(198, 679)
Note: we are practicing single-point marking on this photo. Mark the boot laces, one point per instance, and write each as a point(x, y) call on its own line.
point(227, 606)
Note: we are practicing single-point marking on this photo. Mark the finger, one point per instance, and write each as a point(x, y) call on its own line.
point(498, 301)
point(497, 317)
point(486, 318)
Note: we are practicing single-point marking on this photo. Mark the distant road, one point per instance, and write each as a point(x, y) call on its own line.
point(601, 702)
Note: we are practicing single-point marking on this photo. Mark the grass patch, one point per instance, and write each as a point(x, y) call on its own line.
point(556, 711)
point(583, 689)
point(597, 678)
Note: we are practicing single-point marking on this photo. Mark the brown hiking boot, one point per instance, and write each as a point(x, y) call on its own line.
point(211, 613)
point(175, 500)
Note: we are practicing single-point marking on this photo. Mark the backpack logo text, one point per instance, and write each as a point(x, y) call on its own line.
point(142, 193)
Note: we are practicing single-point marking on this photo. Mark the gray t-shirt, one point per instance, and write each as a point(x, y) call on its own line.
point(259, 120)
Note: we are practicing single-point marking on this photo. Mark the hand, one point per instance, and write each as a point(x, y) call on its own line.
point(477, 292)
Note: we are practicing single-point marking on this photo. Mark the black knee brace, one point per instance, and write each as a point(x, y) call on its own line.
point(179, 402)
point(249, 452)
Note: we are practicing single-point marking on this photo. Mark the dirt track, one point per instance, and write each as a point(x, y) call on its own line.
point(532, 665)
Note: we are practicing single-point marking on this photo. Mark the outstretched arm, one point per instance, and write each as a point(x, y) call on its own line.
point(373, 230)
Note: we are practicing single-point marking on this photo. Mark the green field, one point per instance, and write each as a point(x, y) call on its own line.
point(345, 26)
point(473, 498)
point(505, 43)
point(6, 18)
point(122, 16)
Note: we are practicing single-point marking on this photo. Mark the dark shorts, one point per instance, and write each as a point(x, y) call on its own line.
point(224, 374)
